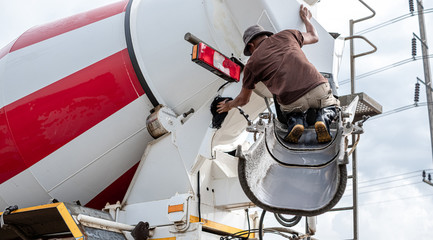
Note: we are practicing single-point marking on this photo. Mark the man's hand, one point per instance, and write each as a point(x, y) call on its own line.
point(311, 35)
point(223, 106)
point(242, 99)
point(305, 13)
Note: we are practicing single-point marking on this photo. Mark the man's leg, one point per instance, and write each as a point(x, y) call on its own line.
point(294, 114)
point(295, 124)
point(323, 120)
point(320, 98)
point(280, 115)
point(326, 113)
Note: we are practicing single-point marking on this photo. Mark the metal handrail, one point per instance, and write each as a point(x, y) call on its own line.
point(368, 17)
point(365, 39)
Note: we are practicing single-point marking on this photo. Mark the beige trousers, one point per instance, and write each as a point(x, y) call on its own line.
point(319, 97)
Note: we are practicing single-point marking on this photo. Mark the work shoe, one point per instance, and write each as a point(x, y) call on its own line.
point(295, 125)
point(294, 135)
point(322, 132)
point(324, 118)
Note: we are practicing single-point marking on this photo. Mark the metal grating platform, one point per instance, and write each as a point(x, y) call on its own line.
point(366, 105)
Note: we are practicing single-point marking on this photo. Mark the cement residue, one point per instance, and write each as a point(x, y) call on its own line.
point(258, 164)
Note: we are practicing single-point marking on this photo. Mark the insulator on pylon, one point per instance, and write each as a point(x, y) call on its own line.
point(413, 47)
point(416, 97)
point(411, 8)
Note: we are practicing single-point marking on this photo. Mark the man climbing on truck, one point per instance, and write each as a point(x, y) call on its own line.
point(279, 62)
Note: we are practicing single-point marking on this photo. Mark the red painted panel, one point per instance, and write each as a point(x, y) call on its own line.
point(45, 120)
point(11, 162)
point(49, 30)
point(115, 192)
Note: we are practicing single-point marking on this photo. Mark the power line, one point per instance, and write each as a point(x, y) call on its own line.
point(399, 199)
point(392, 187)
point(386, 188)
point(400, 109)
point(391, 21)
point(393, 65)
point(393, 176)
point(381, 183)
point(397, 175)
point(391, 181)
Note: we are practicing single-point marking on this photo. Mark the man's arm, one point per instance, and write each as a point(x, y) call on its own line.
point(242, 99)
point(311, 35)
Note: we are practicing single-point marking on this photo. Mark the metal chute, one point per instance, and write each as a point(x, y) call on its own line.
point(305, 179)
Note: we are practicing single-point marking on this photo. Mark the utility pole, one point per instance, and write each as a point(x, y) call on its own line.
point(426, 64)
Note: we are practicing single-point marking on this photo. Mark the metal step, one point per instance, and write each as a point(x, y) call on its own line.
point(367, 106)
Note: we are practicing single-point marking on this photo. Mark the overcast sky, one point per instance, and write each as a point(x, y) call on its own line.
point(395, 145)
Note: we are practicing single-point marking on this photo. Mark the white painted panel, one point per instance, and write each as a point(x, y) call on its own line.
point(3, 203)
point(12, 191)
point(165, 57)
point(223, 28)
point(245, 12)
point(154, 212)
point(53, 59)
point(160, 175)
point(191, 135)
point(229, 193)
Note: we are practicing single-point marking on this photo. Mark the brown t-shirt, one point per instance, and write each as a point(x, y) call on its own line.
point(283, 67)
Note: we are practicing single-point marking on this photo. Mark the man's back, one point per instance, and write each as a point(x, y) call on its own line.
point(282, 66)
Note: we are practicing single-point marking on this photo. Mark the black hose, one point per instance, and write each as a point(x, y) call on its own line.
point(198, 196)
point(249, 227)
point(287, 222)
point(222, 86)
point(262, 217)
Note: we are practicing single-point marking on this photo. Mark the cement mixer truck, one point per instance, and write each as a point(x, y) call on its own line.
point(110, 109)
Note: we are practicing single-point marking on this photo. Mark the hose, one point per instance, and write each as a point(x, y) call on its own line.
point(248, 219)
point(198, 196)
point(287, 222)
point(262, 217)
point(354, 145)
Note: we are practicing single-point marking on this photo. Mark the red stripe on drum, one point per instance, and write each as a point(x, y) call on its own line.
point(49, 30)
point(44, 121)
point(11, 162)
